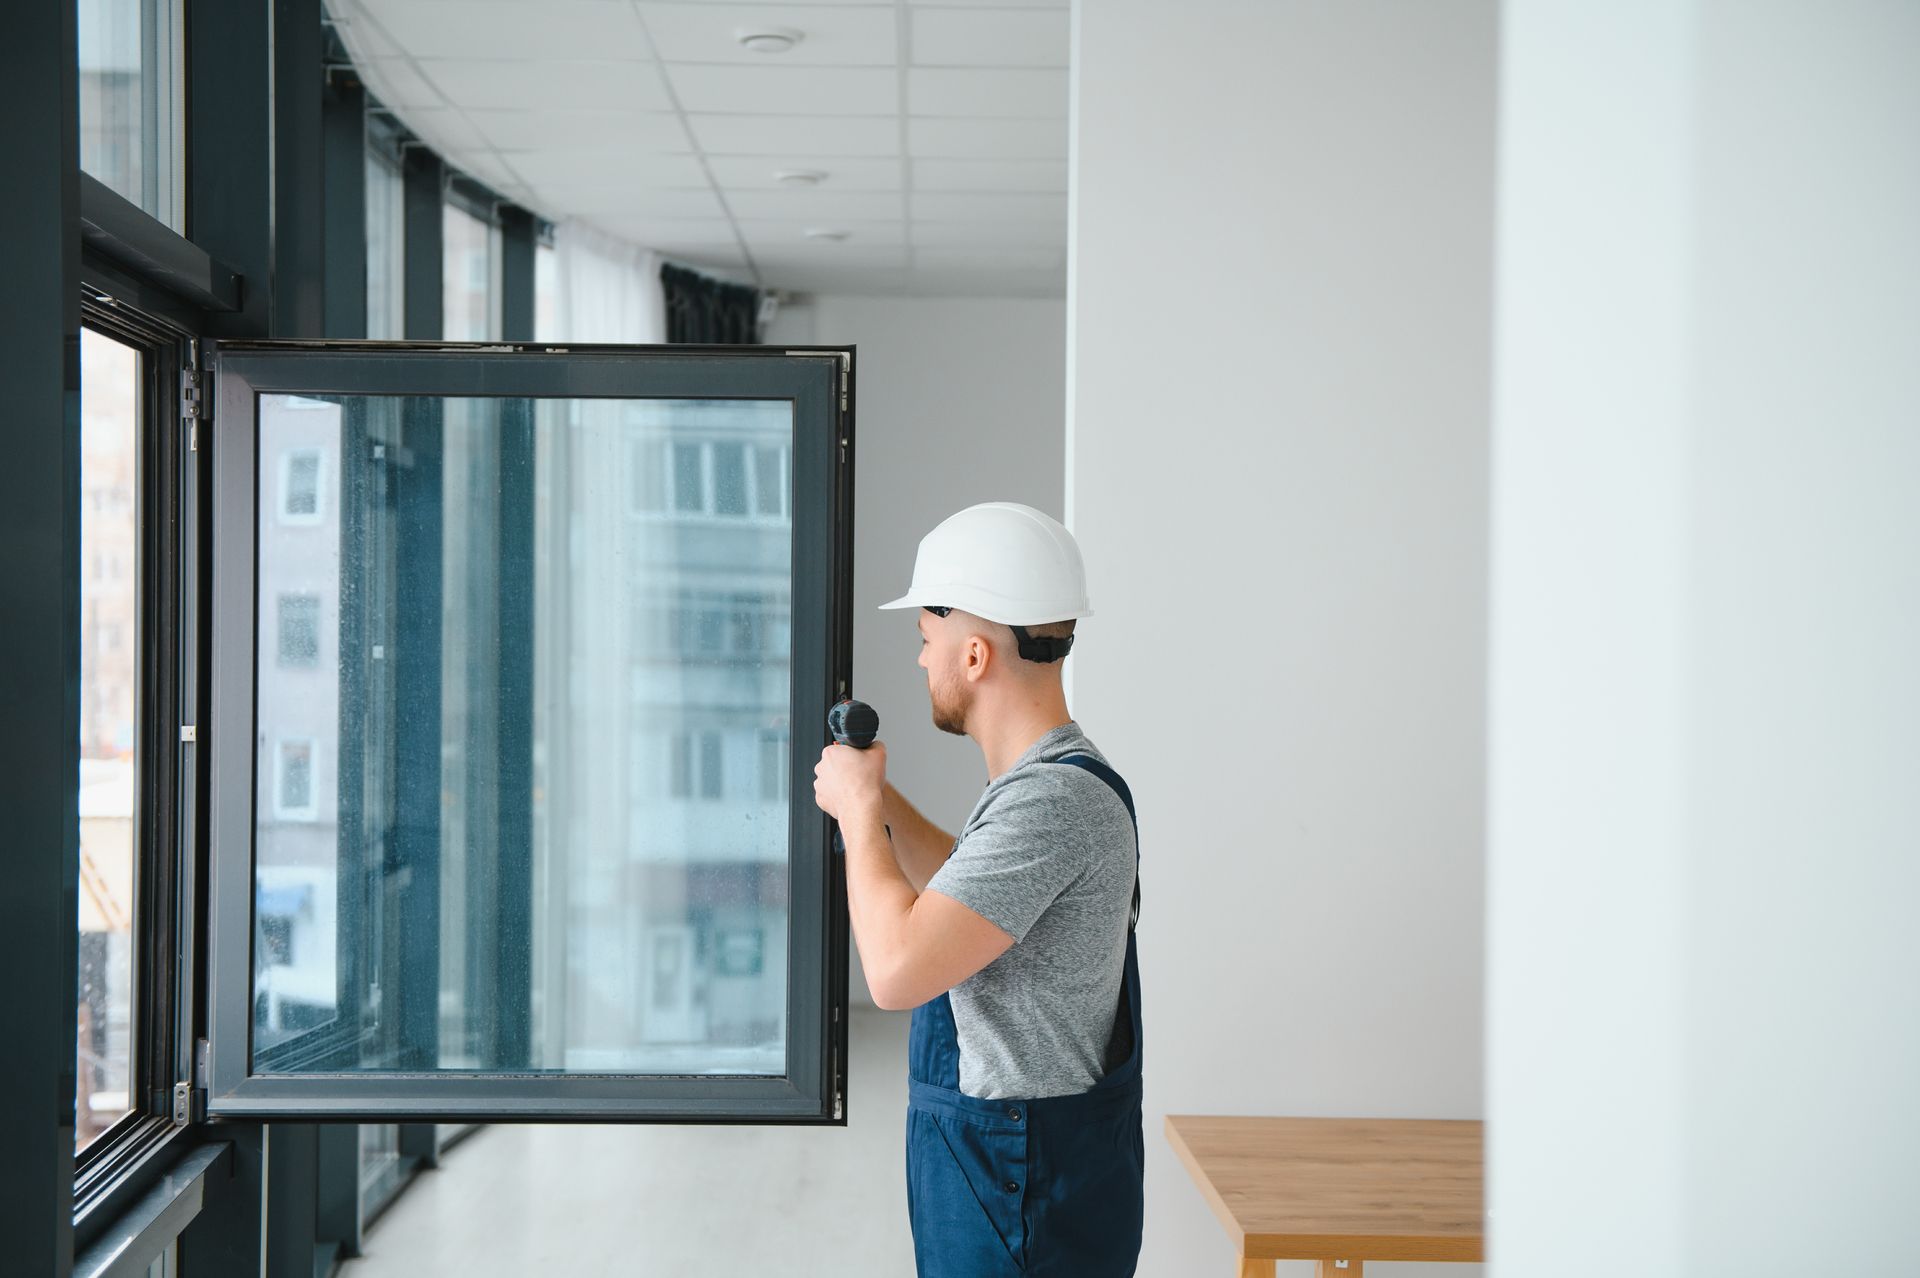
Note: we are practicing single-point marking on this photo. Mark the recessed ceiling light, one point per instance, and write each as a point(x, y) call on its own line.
point(825, 233)
point(800, 177)
point(768, 39)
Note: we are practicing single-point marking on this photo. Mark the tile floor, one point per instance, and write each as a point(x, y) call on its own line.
point(663, 1202)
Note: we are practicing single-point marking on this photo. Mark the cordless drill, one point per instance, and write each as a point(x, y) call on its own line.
point(852, 723)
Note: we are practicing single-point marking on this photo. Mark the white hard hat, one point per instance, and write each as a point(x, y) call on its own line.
point(1003, 561)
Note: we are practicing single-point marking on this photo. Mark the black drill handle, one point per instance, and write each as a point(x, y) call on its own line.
point(853, 723)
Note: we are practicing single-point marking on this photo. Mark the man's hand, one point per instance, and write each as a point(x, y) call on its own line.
point(850, 785)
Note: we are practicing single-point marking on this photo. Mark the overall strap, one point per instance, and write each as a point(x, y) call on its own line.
point(1090, 764)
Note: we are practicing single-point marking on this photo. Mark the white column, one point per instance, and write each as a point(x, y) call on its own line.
point(1704, 820)
point(1279, 348)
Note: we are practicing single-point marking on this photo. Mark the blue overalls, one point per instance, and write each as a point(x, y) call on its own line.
point(1043, 1187)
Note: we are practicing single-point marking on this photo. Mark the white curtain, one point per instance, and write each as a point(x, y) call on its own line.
point(606, 290)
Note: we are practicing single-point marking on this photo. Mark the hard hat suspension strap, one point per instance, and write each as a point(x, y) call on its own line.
point(1041, 650)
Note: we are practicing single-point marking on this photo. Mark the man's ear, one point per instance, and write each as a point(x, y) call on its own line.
point(980, 657)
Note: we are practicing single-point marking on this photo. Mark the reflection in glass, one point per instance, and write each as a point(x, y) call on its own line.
point(471, 278)
point(130, 117)
point(109, 705)
point(386, 248)
point(523, 740)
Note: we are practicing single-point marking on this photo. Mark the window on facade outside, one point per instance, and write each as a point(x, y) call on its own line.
point(471, 279)
point(448, 708)
point(110, 417)
point(386, 247)
point(130, 117)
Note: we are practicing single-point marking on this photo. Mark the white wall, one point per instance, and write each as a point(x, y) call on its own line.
point(1279, 332)
point(1704, 995)
point(959, 400)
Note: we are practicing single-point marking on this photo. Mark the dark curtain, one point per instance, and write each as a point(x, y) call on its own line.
point(705, 310)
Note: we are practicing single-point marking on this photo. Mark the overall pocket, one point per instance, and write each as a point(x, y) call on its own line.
point(966, 1186)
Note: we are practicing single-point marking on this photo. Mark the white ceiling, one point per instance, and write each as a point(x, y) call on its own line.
point(942, 127)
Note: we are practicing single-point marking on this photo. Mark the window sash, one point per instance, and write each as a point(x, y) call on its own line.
point(811, 1088)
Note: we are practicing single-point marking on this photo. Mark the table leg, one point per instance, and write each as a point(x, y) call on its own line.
point(1255, 1268)
point(1338, 1269)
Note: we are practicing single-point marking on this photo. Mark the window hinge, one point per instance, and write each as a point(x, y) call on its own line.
point(193, 394)
point(190, 1094)
point(195, 406)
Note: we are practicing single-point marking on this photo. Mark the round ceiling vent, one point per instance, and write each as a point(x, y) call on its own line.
point(768, 39)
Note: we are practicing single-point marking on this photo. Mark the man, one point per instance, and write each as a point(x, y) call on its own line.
point(1013, 943)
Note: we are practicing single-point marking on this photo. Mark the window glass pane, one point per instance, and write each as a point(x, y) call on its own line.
point(386, 248)
point(130, 117)
point(471, 277)
point(509, 828)
point(299, 630)
point(546, 295)
point(649, 478)
point(729, 479)
point(300, 486)
point(688, 491)
point(770, 485)
point(110, 411)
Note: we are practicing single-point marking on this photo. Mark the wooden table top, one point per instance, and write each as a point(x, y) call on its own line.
point(1351, 1188)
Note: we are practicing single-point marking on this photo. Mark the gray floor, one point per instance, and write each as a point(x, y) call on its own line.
point(670, 1201)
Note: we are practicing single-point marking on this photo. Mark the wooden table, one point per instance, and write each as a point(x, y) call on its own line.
point(1341, 1191)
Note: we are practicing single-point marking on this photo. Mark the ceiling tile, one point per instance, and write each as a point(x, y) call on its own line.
point(605, 86)
point(830, 36)
point(445, 129)
point(653, 232)
point(489, 167)
point(513, 29)
point(396, 82)
point(970, 234)
point(789, 236)
point(832, 255)
point(363, 36)
point(816, 205)
point(756, 173)
point(990, 175)
point(986, 140)
point(978, 207)
point(613, 183)
point(775, 134)
point(990, 38)
point(598, 168)
point(635, 201)
point(773, 90)
point(625, 136)
point(1003, 258)
point(987, 91)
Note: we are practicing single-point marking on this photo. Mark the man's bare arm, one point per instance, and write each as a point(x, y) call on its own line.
point(920, 846)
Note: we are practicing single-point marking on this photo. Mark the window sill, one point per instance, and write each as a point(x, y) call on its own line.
point(128, 1244)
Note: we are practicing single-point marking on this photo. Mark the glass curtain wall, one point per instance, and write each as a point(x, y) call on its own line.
point(110, 612)
point(471, 279)
point(386, 247)
point(131, 122)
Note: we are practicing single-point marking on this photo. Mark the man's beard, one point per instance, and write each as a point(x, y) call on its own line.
point(949, 716)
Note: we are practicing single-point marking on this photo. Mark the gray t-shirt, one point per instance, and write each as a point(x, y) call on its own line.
point(1047, 857)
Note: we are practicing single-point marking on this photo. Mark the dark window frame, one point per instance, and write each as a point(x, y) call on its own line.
point(818, 381)
point(163, 990)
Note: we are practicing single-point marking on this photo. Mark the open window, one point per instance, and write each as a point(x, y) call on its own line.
point(504, 825)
